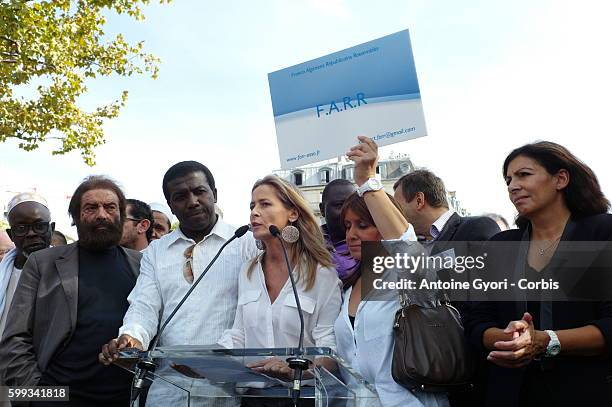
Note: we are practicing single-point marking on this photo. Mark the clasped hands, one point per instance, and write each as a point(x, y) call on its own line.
point(526, 344)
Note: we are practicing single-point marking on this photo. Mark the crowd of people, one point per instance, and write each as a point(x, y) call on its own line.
point(67, 310)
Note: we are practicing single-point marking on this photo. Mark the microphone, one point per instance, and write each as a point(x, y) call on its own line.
point(241, 231)
point(298, 363)
point(146, 364)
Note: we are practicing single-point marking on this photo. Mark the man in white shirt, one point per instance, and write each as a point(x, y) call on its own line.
point(30, 230)
point(171, 264)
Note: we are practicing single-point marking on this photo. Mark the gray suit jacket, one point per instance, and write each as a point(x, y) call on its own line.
point(43, 314)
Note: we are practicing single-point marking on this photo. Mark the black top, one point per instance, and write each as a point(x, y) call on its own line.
point(571, 380)
point(105, 281)
point(540, 312)
point(465, 235)
point(466, 229)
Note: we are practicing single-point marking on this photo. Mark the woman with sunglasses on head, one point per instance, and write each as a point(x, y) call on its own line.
point(547, 352)
point(267, 314)
point(364, 328)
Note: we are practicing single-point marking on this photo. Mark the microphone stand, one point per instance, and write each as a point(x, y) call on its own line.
point(146, 364)
point(298, 363)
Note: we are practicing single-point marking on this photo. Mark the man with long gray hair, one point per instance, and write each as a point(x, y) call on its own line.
point(69, 300)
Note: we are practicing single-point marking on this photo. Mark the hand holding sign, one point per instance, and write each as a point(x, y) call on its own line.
point(365, 156)
point(387, 216)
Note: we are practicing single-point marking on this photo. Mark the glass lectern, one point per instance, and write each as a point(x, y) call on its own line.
point(208, 376)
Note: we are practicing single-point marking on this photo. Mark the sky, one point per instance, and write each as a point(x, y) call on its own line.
point(493, 76)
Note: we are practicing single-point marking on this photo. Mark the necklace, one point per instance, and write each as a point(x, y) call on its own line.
point(542, 251)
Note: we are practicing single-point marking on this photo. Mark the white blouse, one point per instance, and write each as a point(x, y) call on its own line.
point(262, 324)
point(368, 348)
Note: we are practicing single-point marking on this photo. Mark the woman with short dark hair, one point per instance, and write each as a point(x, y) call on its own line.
point(545, 352)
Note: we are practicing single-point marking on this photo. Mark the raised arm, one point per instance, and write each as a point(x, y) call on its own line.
point(389, 220)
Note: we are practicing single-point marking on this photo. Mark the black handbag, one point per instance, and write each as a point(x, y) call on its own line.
point(430, 351)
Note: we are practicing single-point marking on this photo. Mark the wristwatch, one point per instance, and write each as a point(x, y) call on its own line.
point(371, 184)
point(554, 346)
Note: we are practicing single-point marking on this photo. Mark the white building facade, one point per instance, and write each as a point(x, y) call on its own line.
point(311, 179)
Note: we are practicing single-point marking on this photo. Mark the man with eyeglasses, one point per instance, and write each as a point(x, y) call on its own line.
point(30, 230)
point(138, 226)
point(69, 300)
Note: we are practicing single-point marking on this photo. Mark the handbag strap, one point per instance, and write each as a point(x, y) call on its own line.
point(441, 298)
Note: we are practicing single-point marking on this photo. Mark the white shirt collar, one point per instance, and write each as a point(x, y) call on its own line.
point(221, 229)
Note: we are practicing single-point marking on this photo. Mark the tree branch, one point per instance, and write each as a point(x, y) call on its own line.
point(4, 37)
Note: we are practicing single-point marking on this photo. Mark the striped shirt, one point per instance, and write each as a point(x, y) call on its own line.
point(435, 230)
point(438, 225)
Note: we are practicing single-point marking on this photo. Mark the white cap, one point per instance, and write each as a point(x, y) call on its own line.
point(25, 197)
point(160, 207)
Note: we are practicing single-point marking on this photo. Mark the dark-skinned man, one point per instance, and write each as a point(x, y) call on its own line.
point(333, 197)
point(69, 300)
point(169, 267)
point(30, 230)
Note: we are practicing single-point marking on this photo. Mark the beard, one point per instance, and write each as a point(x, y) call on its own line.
point(99, 239)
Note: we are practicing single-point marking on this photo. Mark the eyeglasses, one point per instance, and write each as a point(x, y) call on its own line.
point(22, 230)
point(188, 266)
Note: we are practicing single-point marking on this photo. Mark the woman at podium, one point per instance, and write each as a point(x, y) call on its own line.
point(267, 313)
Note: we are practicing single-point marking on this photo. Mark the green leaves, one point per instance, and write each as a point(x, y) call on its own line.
point(61, 43)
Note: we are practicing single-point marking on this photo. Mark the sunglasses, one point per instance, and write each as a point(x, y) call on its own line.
point(188, 266)
point(38, 228)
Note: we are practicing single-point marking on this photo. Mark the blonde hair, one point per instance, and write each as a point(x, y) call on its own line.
point(310, 249)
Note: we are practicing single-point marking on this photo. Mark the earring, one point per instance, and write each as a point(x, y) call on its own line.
point(290, 233)
point(260, 245)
